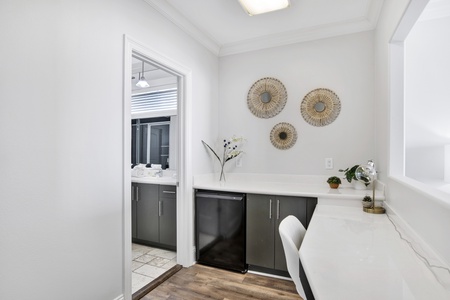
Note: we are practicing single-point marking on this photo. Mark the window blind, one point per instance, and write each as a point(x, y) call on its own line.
point(154, 101)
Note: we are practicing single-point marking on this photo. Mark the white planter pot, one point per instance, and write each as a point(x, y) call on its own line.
point(358, 185)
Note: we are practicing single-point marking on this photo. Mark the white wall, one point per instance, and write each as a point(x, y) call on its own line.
point(61, 139)
point(428, 216)
point(427, 72)
point(343, 64)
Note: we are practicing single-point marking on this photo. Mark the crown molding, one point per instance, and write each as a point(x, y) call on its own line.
point(365, 23)
point(435, 10)
point(297, 36)
point(170, 13)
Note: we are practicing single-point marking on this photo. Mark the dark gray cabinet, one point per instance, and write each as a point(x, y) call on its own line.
point(168, 215)
point(154, 214)
point(264, 214)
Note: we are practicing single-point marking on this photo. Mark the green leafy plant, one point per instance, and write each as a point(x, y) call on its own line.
point(349, 174)
point(334, 179)
point(367, 199)
point(231, 149)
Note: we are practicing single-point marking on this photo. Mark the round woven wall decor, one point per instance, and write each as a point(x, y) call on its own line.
point(266, 97)
point(283, 136)
point(320, 107)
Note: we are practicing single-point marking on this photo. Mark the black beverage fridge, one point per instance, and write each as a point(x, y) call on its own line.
point(220, 229)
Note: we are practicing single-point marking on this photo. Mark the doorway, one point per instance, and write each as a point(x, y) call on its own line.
point(154, 144)
point(184, 211)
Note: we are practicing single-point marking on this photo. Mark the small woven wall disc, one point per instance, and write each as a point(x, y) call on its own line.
point(267, 97)
point(283, 136)
point(320, 107)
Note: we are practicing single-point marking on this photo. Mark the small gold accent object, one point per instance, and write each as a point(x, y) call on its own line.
point(367, 174)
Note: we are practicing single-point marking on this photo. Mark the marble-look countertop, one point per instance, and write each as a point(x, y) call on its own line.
point(348, 254)
point(155, 180)
point(283, 185)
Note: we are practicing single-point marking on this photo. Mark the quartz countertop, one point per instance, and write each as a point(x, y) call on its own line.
point(155, 180)
point(283, 185)
point(348, 254)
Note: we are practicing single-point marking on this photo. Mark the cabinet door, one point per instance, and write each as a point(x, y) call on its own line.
point(168, 215)
point(260, 230)
point(286, 206)
point(147, 212)
point(133, 211)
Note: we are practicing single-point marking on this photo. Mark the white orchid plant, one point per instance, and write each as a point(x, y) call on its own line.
point(231, 149)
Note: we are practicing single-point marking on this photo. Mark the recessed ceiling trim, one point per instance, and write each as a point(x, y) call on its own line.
point(374, 11)
point(184, 24)
point(363, 23)
point(305, 35)
point(435, 10)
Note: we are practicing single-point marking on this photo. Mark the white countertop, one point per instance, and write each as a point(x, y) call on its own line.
point(348, 254)
point(155, 180)
point(287, 185)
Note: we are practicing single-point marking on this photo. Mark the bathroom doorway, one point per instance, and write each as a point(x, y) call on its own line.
point(134, 50)
point(154, 147)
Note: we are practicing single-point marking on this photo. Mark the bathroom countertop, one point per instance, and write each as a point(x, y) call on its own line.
point(349, 254)
point(155, 180)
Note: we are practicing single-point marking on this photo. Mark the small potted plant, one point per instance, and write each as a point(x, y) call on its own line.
point(334, 182)
point(367, 201)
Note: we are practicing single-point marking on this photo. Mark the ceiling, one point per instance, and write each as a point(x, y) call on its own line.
point(155, 76)
point(224, 27)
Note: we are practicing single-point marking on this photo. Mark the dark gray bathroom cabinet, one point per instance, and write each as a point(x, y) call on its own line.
point(154, 214)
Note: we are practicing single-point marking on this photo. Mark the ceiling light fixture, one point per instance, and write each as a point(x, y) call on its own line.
point(142, 83)
point(255, 7)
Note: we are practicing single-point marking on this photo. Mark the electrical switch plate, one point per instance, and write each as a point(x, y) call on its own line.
point(328, 163)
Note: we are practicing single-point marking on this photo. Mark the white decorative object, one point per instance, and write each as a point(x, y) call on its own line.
point(358, 185)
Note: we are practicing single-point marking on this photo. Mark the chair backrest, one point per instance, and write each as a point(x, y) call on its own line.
point(292, 233)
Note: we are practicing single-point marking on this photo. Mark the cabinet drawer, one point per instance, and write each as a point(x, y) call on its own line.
point(167, 191)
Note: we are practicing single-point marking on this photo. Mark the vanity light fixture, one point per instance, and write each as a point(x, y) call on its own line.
point(256, 7)
point(142, 83)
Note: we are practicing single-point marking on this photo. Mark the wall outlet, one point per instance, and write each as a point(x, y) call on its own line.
point(328, 163)
point(239, 161)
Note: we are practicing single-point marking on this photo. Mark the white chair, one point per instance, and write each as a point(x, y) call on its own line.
point(292, 233)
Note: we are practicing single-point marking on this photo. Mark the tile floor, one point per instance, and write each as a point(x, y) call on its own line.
point(149, 263)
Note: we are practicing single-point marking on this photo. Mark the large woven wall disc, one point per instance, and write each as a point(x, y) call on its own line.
point(320, 107)
point(283, 136)
point(267, 97)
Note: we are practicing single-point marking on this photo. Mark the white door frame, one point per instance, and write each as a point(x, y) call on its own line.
point(185, 223)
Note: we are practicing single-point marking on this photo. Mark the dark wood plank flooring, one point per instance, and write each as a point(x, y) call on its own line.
point(203, 282)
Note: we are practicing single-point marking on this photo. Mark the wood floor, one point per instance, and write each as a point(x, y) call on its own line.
point(202, 282)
